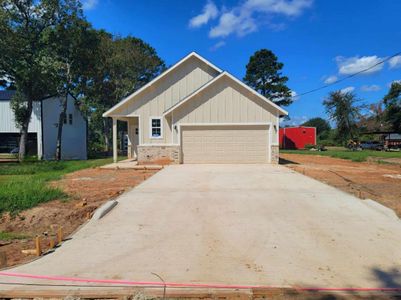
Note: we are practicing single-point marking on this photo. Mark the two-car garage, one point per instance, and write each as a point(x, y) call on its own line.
point(245, 143)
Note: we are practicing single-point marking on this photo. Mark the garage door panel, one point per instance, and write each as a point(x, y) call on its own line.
point(225, 144)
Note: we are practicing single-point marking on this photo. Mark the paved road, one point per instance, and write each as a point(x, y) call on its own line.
point(237, 224)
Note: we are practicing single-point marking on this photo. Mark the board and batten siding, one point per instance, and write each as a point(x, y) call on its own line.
point(8, 125)
point(225, 101)
point(7, 120)
point(73, 136)
point(166, 92)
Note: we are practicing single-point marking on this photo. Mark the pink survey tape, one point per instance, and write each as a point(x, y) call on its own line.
point(186, 285)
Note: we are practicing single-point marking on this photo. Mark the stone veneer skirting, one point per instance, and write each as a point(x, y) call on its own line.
point(171, 154)
point(159, 154)
point(275, 154)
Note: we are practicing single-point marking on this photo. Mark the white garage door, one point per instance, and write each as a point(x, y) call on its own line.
point(225, 144)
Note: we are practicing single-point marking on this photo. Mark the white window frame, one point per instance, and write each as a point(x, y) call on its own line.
point(151, 127)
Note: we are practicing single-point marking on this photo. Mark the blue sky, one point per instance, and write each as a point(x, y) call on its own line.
point(316, 40)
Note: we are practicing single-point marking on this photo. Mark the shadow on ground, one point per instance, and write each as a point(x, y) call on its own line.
point(387, 279)
point(283, 161)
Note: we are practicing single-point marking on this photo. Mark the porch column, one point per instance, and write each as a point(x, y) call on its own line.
point(115, 140)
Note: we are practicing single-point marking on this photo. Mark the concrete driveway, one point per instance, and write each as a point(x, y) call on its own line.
point(236, 224)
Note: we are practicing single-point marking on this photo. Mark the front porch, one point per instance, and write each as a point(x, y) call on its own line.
point(132, 137)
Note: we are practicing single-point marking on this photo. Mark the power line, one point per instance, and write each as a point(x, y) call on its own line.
point(349, 76)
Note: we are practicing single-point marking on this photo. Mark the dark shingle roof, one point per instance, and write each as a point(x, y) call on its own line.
point(6, 95)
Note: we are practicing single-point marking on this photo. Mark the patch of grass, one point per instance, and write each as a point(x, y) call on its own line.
point(8, 236)
point(25, 185)
point(357, 156)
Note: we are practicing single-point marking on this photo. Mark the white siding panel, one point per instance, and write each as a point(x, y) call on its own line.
point(190, 76)
point(74, 135)
point(7, 121)
point(226, 102)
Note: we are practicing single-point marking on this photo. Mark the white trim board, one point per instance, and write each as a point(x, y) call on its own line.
point(162, 75)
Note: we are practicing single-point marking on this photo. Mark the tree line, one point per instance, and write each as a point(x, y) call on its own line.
point(48, 48)
point(353, 119)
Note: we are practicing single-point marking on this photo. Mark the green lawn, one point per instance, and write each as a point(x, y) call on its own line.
point(348, 154)
point(24, 185)
point(7, 236)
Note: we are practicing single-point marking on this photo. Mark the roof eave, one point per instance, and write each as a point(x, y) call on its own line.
point(108, 113)
point(281, 111)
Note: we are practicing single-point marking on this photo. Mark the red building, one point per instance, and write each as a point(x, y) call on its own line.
point(297, 137)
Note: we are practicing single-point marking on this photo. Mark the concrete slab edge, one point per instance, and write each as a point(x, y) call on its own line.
point(381, 208)
point(104, 209)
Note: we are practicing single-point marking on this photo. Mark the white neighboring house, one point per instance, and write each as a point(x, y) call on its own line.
point(42, 131)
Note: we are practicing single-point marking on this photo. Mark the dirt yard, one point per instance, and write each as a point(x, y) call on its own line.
point(88, 189)
point(377, 181)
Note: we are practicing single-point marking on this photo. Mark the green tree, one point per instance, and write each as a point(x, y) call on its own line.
point(342, 108)
point(322, 127)
point(24, 59)
point(74, 44)
point(263, 74)
point(123, 66)
point(392, 102)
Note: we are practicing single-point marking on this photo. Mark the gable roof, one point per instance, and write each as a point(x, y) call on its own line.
point(162, 75)
point(231, 77)
point(6, 95)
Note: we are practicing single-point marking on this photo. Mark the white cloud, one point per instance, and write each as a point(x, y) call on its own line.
point(294, 121)
point(370, 88)
point(294, 95)
point(218, 45)
point(89, 4)
point(348, 89)
point(284, 7)
point(350, 65)
point(209, 12)
point(246, 17)
point(330, 79)
point(229, 23)
point(395, 62)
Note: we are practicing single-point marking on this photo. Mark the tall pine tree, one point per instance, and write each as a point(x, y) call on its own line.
point(263, 74)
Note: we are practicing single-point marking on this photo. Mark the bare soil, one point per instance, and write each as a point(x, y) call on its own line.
point(87, 189)
point(377, 181)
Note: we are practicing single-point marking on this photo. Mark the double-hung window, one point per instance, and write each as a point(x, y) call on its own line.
point(155, 127)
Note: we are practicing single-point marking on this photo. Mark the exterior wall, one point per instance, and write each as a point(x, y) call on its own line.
point(275, 154)
point(297, 137)
point(74, 135)
point(187, 78)
point(159, 154)
point(225, 102)
point(133, 137)
point(7, 122)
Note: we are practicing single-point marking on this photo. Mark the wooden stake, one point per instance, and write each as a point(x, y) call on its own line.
point(51, 244)
point(3, 260)
point(59, 235)
point(29, 251)
point(37, 246)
